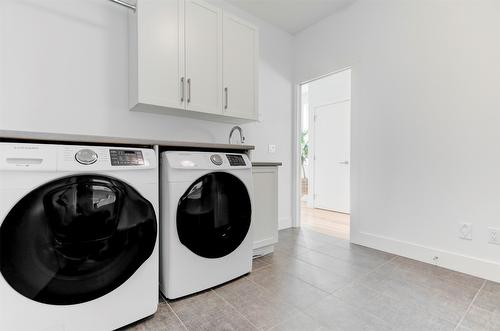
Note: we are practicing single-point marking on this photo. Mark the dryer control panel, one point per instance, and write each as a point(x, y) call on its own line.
point(206, 160)
point(126, 157)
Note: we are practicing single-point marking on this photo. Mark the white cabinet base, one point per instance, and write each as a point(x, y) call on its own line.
point(265, 209)
point(148, 108)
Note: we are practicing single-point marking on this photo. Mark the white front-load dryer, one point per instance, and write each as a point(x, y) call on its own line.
point(78, 236)
point(206, 209)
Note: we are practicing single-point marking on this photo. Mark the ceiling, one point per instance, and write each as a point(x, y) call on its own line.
point(291, 15)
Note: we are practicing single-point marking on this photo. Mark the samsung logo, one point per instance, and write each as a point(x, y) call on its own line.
point(26, 147)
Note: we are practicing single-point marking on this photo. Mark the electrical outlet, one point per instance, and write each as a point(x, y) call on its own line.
point(494, 237)
point(465, 231)
point(272, 148)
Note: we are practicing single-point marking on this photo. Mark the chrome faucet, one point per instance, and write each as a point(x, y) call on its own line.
point(242, 137)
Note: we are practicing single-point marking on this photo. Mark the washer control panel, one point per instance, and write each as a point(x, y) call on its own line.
point(126, 157)
point(216, 159)
point(235, 160)
point(86, 156)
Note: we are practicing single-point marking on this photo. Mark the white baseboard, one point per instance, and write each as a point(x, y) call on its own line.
point(261, 251)
point(284, 223)
point(462, 263)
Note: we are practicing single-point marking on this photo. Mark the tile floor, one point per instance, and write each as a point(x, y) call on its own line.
point(317, 282)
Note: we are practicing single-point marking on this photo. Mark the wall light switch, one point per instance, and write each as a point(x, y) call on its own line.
point(272, 148)
point(465, 231)
point(494, 236)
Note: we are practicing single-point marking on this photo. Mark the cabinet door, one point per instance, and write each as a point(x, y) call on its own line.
point(240, 60)
point(203, 35)
point(265, 206)
point(160, 52)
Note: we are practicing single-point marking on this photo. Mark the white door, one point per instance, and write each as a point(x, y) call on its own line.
point(332, 156)
point(160, 38)
point(203, 56)
point(240, 58)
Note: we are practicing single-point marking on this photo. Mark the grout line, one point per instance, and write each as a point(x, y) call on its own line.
point(237, 310)
point(173, 311)
point(470, 305)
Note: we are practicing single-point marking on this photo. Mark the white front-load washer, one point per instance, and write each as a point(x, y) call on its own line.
point(206, 207)
point(78, 236)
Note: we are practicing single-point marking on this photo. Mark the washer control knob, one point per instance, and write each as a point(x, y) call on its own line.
point(86, 156)
point(216, 159)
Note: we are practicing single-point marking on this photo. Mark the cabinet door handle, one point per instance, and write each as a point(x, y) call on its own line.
point(226, 103)
point(182, 89)
point(189, 90)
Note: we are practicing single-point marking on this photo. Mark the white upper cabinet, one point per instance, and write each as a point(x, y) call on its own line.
point(240, 67)
point(157, 54)
point(189, 58)
point(203, 57)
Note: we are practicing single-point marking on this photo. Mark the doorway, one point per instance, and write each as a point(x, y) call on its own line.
point(325, 144)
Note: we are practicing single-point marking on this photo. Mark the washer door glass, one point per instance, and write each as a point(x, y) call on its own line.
point(76, 239)
point(213, 215)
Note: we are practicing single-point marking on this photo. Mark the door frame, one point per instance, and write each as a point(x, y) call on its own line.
point(296, 131)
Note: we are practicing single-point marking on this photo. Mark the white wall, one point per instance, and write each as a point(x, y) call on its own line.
point(63, 68)
point(425, 123)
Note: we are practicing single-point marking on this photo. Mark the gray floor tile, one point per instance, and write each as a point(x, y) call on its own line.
point(438, 279)
point(258, 305)
point(450, 309)
point(208, 311)
point(489, 298)
point(355, 255)
point(300, 322)
point(337, 315)
point(442, 275)
point(480, 319)
point(290, 248)
point(286, 287)
point(323, 279)
point(316, 282)
point(337, 266)
point(405, 315)
point(278, 257)
point(258, 263)
point(163, 320)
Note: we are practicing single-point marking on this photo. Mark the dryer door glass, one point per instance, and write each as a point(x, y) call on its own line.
point(213, 215)
point(76, 239)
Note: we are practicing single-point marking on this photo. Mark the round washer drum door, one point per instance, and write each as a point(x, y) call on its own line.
point(76, 239)
point(214, 215)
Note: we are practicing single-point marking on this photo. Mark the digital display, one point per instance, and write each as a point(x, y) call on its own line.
point(236, 160)
point(121, 157)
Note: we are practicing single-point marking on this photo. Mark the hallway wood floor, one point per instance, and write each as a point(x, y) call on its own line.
point(324, 221)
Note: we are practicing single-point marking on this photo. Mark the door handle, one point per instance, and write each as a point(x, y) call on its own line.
point(182, 89)
point(189, 90)
point(225, 91)
point(344, 162)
